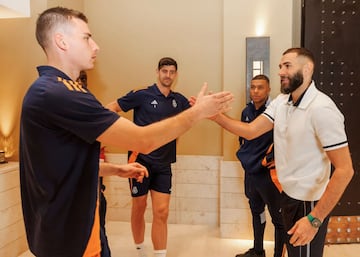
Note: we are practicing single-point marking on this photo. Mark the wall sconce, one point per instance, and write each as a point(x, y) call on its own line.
point(7, 134)
point(2, 157)
point(7, 146)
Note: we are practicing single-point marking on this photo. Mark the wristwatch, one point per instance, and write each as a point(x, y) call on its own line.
point(315, 222)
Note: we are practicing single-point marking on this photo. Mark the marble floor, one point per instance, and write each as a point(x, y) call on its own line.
point(199, 241)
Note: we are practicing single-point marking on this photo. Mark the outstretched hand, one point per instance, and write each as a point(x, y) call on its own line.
point(212, 104)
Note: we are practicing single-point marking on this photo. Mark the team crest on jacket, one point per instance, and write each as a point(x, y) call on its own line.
point(174, 103)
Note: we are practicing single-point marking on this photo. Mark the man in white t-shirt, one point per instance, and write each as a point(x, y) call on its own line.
point(309, 136)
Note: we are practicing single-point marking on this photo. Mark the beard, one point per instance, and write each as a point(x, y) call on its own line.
point(294, 83)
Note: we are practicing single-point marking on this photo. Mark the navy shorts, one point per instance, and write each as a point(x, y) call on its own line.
point(159, 179)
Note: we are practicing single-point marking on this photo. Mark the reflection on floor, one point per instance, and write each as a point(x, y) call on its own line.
point(197, 241)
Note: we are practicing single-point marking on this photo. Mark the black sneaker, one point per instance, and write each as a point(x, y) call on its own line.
point(251, 253)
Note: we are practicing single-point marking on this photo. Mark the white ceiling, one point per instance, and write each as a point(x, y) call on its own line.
point(14, 8)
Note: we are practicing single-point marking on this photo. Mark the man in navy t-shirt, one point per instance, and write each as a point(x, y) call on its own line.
point(150, 105)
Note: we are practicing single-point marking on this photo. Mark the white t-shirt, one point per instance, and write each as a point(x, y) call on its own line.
point(302, 135)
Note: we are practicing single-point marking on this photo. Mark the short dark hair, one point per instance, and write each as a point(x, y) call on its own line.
point(261, 77)
point(50, 18)
point(301, 51)
point(167, 61)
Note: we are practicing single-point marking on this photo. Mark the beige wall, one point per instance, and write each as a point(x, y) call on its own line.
point(241, 20)
point(134, 35)
point(207, 38)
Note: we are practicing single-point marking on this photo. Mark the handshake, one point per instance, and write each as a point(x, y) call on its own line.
point(210, 104)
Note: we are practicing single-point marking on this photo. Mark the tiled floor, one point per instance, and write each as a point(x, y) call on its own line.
point(198, 241)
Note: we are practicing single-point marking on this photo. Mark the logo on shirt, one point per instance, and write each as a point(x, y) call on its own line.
point(134, 190)
point(174, 103)
point(154, 103)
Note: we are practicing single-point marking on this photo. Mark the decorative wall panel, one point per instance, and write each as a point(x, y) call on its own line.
point(331, 29)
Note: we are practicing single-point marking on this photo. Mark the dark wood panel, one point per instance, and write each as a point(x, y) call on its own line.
point(331, 30)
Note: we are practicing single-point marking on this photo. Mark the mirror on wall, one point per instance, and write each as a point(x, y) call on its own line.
point(257, 59)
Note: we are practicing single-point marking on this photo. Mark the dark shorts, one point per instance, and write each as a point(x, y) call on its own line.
point(293, 210)
point(159, 179)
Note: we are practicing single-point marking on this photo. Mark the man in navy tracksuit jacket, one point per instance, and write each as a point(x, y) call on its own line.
point(259, 188)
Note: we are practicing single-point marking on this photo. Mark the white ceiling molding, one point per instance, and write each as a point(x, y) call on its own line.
point(14, 9)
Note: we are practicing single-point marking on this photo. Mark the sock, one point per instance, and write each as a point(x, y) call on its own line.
point(160, 253)
point(141, 249)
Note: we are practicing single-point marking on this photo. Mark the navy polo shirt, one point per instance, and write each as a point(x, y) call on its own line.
point(150, 106)
point(59, 163)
